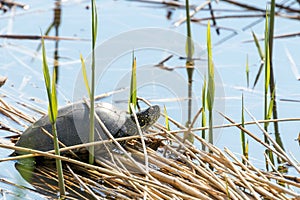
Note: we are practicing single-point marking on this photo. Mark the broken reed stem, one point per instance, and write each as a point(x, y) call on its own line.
point(143, 144)
point(197, 9)
point(285, 156)
point(81, 182)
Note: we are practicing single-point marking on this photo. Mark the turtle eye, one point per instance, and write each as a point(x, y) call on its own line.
point(142, 121)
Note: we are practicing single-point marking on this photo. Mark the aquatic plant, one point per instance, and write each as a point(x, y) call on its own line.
point(210, 86)
point(52, 113)
point(92, 94)
point(133, 83)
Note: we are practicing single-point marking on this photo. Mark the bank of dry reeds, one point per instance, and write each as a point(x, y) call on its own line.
point(173, 169)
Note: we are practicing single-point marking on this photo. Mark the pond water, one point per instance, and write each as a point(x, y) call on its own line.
point(125, 26)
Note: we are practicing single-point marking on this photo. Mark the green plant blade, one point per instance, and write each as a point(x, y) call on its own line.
point(189, 46)
point(45, 67)
point(271, 105)
point(204, 104)
point(92, 92)
point(166, 119)
point(258, 74)
point(53, 96)
point(271, 28)
point(94, 23)
point(261, 55)
point(203, 120)
point(133, 89)
point(267, 69)
point(189, 50)
point(85, 78)
point(242, 132)
point(47, 81)
point(211, 83)
point(247, 150)
point(52, 113)
point(247, 71)
point(210, 86)
point(267, 84)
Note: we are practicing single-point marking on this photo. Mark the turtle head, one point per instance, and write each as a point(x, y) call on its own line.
point(148, 116)
point(146, 119)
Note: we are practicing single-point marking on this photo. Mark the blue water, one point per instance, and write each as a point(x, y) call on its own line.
point(21, 63)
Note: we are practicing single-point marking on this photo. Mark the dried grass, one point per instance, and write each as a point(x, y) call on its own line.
point(175, 169)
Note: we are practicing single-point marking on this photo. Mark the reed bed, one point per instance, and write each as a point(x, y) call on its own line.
point(176, 169)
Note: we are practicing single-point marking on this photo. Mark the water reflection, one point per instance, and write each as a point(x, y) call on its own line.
point(43, 178)
point(56, 25)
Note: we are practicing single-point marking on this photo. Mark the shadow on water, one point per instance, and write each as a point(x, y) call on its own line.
point(43, 177)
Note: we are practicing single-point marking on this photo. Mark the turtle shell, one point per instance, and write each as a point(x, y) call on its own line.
point(73, 126)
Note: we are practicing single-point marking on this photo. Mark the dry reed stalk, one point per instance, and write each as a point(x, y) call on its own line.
point(10, 129)
point(197, 9)
point(82, 183)
point(185, 173)
point(10, 115)
point(14, 112)
point(33, 108)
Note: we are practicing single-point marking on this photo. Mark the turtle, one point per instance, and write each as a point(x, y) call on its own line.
point(73, 125)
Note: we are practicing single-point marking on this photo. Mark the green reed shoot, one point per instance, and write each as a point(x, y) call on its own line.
point(203, 120)
point(211, 85)
point(272, 78)
point(92, 93)
point(260, 52)
point(189, 48)
point(267, 84)
point(271, 29)
point(84, 74)
point(262, 58)
point(167, 125)
point(133, 83)
point(247, 71)
point(166, 119)
point(267, 71)
point(52, 112)
point(243, 139)
point(270, 108)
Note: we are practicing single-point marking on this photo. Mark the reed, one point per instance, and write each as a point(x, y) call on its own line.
point(267, 84)
point(52, 113)
point(189, 48)
point(211, 85)
point(262, 58)
point(272, 77)
point(247, 71)
point(166, 119)
point(92, 94)
point(245, 147)
point(133, 83)
point(203, 119)
point(84, 75)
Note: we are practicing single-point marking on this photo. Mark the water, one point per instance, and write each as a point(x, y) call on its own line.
point(21, 63)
